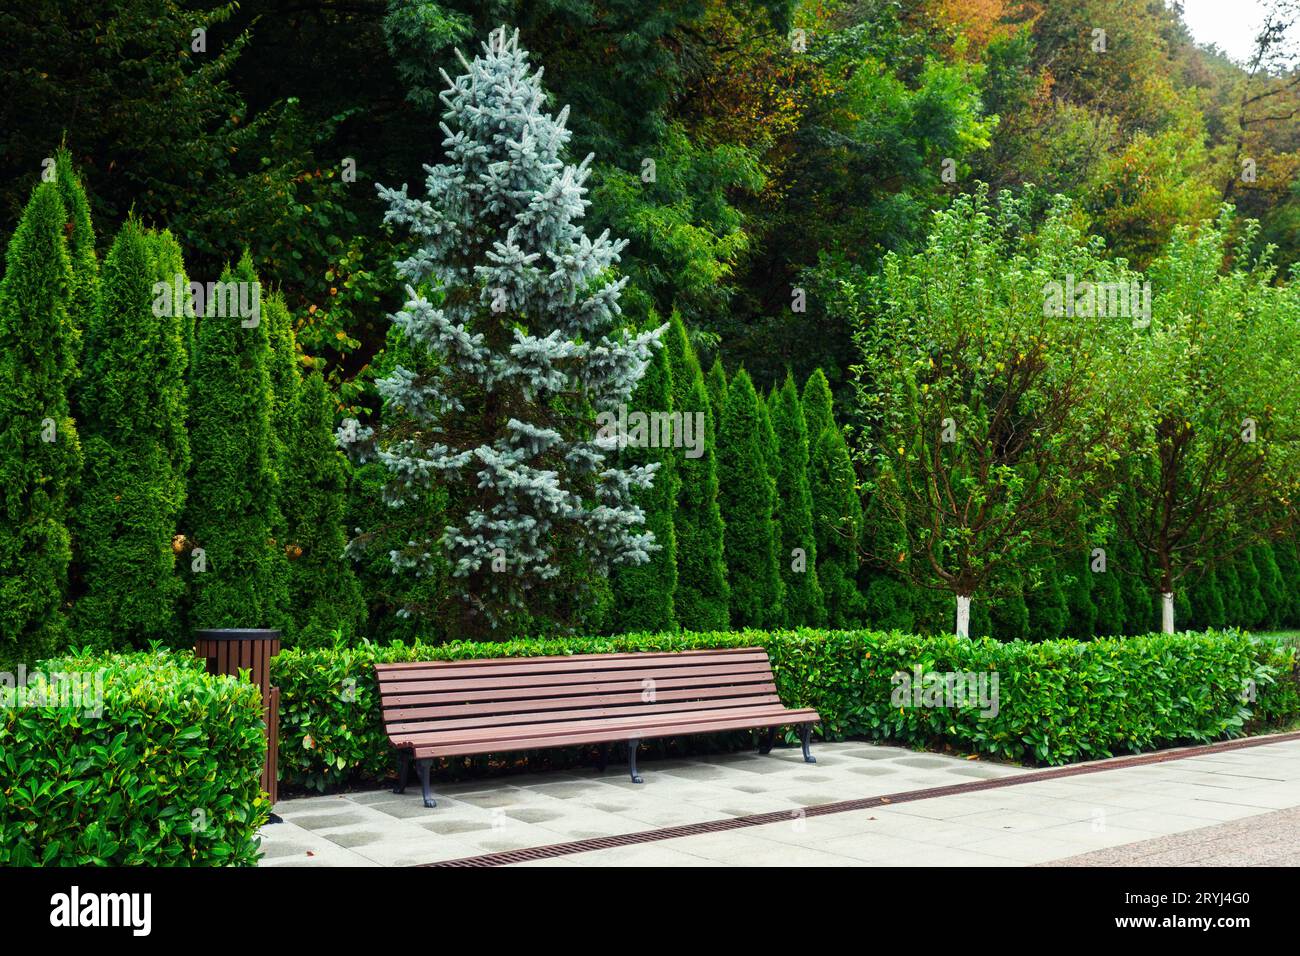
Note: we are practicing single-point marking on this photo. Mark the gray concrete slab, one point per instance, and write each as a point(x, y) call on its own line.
point(1175, 810)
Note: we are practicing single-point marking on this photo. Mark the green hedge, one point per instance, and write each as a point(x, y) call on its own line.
point(1060, 701)
point(168, 773)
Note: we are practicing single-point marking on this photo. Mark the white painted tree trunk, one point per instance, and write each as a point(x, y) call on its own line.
point(1167, 612)
point(963, 615)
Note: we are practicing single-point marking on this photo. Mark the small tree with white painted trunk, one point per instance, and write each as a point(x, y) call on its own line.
point(1219, 470)
point(994, 420)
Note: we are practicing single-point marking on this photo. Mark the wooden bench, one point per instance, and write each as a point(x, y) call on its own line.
point(457, 708)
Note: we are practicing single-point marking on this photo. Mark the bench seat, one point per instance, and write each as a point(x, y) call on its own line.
point(461, 708)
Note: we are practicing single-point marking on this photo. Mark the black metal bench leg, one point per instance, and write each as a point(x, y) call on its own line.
point(422, 768)
point(403, 768)
point(631, 761)
point(603, 759)
point(765, 745)
point(805, 731)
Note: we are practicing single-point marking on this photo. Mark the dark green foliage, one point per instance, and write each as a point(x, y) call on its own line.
point(400, 607)
point(1234, 608)
point(1141, 606)
point(80, 234)
point(323, 592)
point(1008, 617)
point(887, 603)
point(817, 406)
point(233, 487)
point(1071, 701)
point(643, 594)
point(37, 369)
point(167, 774)
point(746, 496)
point(1049, 611)
point(136, 453)
point(1207, 602)
point(716, 383)
point(837, 525)
point(702, 592)
point(1254, 612)
point(1288, 566)
point(286, 385)
point(804, 603)
point(1271, 589)
point(1108, 598)
point(1077, 582)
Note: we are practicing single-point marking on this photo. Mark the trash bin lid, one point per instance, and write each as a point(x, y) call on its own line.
point(238, 634)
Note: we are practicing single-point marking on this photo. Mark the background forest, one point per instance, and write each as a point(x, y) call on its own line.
point(839, 210)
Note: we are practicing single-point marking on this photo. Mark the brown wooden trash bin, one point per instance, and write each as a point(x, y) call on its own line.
point(230, 650)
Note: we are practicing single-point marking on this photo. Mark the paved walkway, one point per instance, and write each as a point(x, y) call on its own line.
point(1130, 812)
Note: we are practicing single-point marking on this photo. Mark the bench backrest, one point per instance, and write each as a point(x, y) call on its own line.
point(505, 692)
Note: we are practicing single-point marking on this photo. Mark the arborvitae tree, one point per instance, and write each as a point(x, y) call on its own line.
point(175, 360)
point(837, 522)
point(1141, 607)
point(1077, 582)
point(1207, 602)
point(836, 507)
point(133, 437)
point(40, 457)
point(1288, 566)
point(323, 591)
point(746, 497)
point(286, 386)
point(716, 383)
point(528, 353)
point(1008, 616)
point(1254, 611)
point(804, 602)
point(80, 233)
point(818, 412)
point(1270, 584)
point(1048, 609)
point(1234, 611)
point(643, 593)
point(234, 576)
point(702, 593)
point(1107, 596)
point(170, 268)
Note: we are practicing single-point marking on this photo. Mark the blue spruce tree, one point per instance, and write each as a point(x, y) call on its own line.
point(516, 312)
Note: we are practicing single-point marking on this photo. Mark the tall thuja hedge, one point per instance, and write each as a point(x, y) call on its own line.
point(1270, 584)
point(286, 385)
point(836, 507)
point(804, 603)
point(747, 496)
point(323, 590)
point(1049, 611)
point(716, 383)
point(235, 581)
point(80, 233)
point(1288, 566)
point(136, 453)
point(40, 455)
point(643, 593)
point(702, 593)
point(1107, 594)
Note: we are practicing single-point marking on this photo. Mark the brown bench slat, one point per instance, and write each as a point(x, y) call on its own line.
point(700, 684)
point(399, 727)
point(577, 738)
point(434, 711)
point(616, 727)
point(577, 661)
point(538, 680)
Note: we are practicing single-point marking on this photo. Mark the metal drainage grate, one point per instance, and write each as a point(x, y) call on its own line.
point(552, 851)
